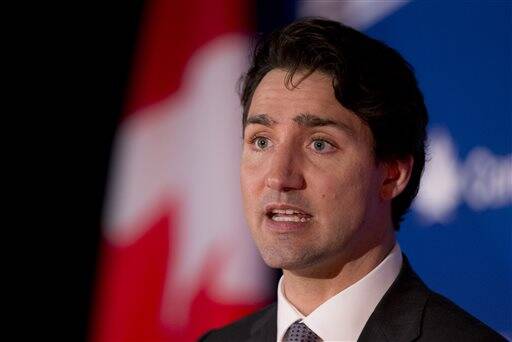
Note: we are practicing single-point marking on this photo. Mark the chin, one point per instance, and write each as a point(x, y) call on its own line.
point(281, 264)
point(274, 259)
point(289, 261)
point(274, 263)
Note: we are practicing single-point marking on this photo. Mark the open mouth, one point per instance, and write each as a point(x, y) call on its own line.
point(288, 215)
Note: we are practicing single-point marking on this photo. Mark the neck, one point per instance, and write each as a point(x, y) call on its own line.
point(308, 290)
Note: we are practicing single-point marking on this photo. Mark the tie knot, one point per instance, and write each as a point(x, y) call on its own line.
point(299, 332)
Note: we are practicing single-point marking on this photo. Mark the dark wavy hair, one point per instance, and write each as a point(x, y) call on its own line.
point(369, 78)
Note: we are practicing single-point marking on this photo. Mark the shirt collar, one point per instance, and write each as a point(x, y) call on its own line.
point(343, 316)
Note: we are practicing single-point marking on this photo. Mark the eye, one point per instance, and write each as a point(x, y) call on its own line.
point(261, 143)
point(322, 146)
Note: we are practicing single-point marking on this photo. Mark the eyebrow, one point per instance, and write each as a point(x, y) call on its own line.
point(311, 120)
point(303, 119)
point(260, 119)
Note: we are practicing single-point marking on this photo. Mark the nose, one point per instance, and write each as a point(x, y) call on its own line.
point(285, 171)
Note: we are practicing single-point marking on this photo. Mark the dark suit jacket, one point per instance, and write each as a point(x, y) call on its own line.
point(409, 311)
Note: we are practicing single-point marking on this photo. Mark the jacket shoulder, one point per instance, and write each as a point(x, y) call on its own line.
point(410, 311)
point(241, 330)
point(444, 320)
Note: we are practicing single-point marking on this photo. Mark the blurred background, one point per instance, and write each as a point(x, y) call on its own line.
point(166, 253)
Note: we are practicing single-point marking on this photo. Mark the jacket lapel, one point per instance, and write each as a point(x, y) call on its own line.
point(396, 318)
point(398, 315)
point(265, 328)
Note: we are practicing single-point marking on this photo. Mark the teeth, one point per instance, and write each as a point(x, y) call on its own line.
point(287, 211)
point(286, 218)
point(290, 218)
point(289, 215)
point(279, 211)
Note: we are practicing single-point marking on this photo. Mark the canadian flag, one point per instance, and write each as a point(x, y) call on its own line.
point(176, 256)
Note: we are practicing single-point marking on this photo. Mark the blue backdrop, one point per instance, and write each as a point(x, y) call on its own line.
point(462, 55)
point(458, 235)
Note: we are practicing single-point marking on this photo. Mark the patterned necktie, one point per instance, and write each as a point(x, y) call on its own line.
point(299, 332)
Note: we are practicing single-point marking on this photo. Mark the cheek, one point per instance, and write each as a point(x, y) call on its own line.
point(245, 184)
point(250, 162)
point(344, 193)
point(250, 183)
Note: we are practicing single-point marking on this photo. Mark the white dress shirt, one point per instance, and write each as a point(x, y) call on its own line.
point(343, 316)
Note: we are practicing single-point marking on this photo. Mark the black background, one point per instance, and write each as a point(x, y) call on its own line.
point(73, 71)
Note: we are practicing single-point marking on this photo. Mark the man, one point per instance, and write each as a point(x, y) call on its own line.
point(333, 151)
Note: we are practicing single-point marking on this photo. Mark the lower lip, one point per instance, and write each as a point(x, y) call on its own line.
point(284, 226)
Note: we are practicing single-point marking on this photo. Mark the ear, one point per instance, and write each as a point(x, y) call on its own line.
point(397, 173)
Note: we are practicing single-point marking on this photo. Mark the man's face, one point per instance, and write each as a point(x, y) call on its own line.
point(310, 183)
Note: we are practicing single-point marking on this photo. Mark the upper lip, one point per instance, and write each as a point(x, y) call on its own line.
point(283, 206)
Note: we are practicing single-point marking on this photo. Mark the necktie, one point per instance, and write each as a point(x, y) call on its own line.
point(299, 332)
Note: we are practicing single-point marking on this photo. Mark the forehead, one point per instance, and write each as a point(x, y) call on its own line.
point(314, 94)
